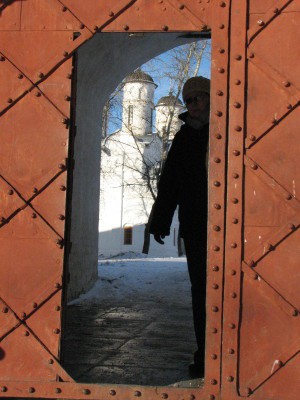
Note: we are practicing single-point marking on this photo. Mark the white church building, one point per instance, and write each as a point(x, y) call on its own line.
point(130, 157)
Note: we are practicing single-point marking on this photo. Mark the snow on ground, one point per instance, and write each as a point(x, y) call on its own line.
point(130, 277)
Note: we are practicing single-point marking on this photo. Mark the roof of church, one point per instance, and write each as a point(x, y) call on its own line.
point(169, 101)
point(138, 76)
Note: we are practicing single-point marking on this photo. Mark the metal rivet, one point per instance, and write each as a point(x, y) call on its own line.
point(221, 70)
point(61, 217)
point(269, 247)
point(233, 272)
point(2, 58)
point(69, 76)
point(289, 106)
point(237, 82)
point(20, 76)
point(221, 51)
point(2, 220)
point(214, 330)
point(62, 188)
point(137, 393)
point(81, 26)
point(37, 94)
point(23, 314)
point(250, 263)
point(214, 356)
point(218, 136)
point(164, 396)
point(221, 26)
point(238, 128)
point(56, 331)
point(216, 248)
point(215, 286)
point(10, 100)
point(34, 305)
point(192, 397)
point(251, 55)
point(67, 98)
point(57, 308)
point(288, 197)
point(86, 391)
point(212, 397)
point(111, 13)
point(214, 309)
point(254, 166)
point(50, 361)
point(57, 285)
point(31, 390)
point(217, 160)
point(231, 325)
point(34, 190)
point(95, 27)
point(165, 28)
point(233, 245)
point(218, 113)
point(255, 276)
point(274, 121)
point(112, 392)
point(235, 220)
point(292, 227)
point(64, 9)
point(33, 215)
point(181, 6)
point(286, 83)
point(215, 268)
point(230, 351)
point(230, 378)
point(10, 192)
point(41, 75)
point(238, 57)
point(57, 390)
point(236, 152)
point(217, 183)
point(235, 175)
point(220, 93)
point(3, 389)
point(5, 310)
point(65, 121)
point(236, 105)
point(248, 391)
point(252, 138)
point(217, 206)
point(61, 166)
point(213, 381)
point(233, 295)
point(65, 54)
point(216, 228)
point(222, 4)
point(295, 313)
point(260, 22)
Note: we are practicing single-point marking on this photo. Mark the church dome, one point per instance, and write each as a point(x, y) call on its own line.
point(169, 101)
point(138, 76)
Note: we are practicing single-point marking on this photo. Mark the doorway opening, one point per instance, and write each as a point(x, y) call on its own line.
point(135, 335)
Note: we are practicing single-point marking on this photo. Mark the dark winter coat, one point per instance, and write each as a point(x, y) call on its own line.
point(184, 183)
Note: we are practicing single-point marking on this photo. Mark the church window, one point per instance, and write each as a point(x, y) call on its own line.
point(128, 235)
point(130, 115)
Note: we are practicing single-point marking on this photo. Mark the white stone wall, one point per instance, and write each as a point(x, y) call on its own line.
point(163, 117)
point(139, 95)
point(124, 197)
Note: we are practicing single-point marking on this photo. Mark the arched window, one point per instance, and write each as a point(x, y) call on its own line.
point(127, 235)
point(130, 115)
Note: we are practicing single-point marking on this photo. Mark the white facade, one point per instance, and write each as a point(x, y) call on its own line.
point(125, 193)
point(167, 112)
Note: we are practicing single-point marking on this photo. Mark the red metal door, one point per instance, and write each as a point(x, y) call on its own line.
point(261, 319)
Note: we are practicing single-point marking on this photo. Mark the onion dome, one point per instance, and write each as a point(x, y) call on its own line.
point(138, 76)
point(169, 101)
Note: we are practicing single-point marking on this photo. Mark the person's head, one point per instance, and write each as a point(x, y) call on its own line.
point(196, 96)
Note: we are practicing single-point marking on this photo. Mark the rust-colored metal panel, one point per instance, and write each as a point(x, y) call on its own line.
point(10, 15)
point(262, 251)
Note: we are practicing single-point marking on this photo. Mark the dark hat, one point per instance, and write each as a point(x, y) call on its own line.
point(196, 84)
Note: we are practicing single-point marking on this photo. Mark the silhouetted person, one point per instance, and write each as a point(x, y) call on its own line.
point(183, 183)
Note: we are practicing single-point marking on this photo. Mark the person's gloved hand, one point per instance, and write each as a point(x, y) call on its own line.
point(158, 237)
